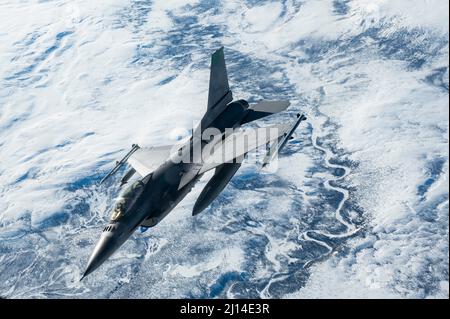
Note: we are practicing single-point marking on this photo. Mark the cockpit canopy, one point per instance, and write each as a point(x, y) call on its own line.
point(126, 200)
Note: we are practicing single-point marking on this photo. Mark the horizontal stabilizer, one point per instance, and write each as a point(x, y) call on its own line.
point(270, 106)
point(263, 109)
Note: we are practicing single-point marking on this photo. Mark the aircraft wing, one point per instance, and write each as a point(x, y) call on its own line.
point(146, 159)
point(236, 145)
point(264, 108)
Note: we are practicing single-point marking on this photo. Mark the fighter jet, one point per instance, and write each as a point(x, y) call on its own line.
point(166, 174)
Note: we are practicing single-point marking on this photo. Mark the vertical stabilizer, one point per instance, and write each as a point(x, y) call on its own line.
point(219, 94)
point(218, 81)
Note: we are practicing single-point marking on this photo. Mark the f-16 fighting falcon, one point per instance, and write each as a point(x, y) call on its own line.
point(168, 173)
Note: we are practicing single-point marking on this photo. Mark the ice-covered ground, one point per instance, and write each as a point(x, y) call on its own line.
point(357, 208)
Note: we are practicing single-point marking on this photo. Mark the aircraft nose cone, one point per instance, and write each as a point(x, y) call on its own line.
point(104, 248)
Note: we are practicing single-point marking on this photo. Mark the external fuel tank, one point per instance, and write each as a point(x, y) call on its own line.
point(215, 185)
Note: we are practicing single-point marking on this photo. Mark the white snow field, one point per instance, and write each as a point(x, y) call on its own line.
point(358, 207)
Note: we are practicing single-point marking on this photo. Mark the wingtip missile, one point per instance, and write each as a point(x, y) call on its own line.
point(134, 148)
point(282, 142)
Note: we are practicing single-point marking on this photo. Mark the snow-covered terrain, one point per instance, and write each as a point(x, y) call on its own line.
point(357, 208)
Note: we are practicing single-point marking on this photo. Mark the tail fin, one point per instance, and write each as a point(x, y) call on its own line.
point(219, 92)
point(218, 81)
